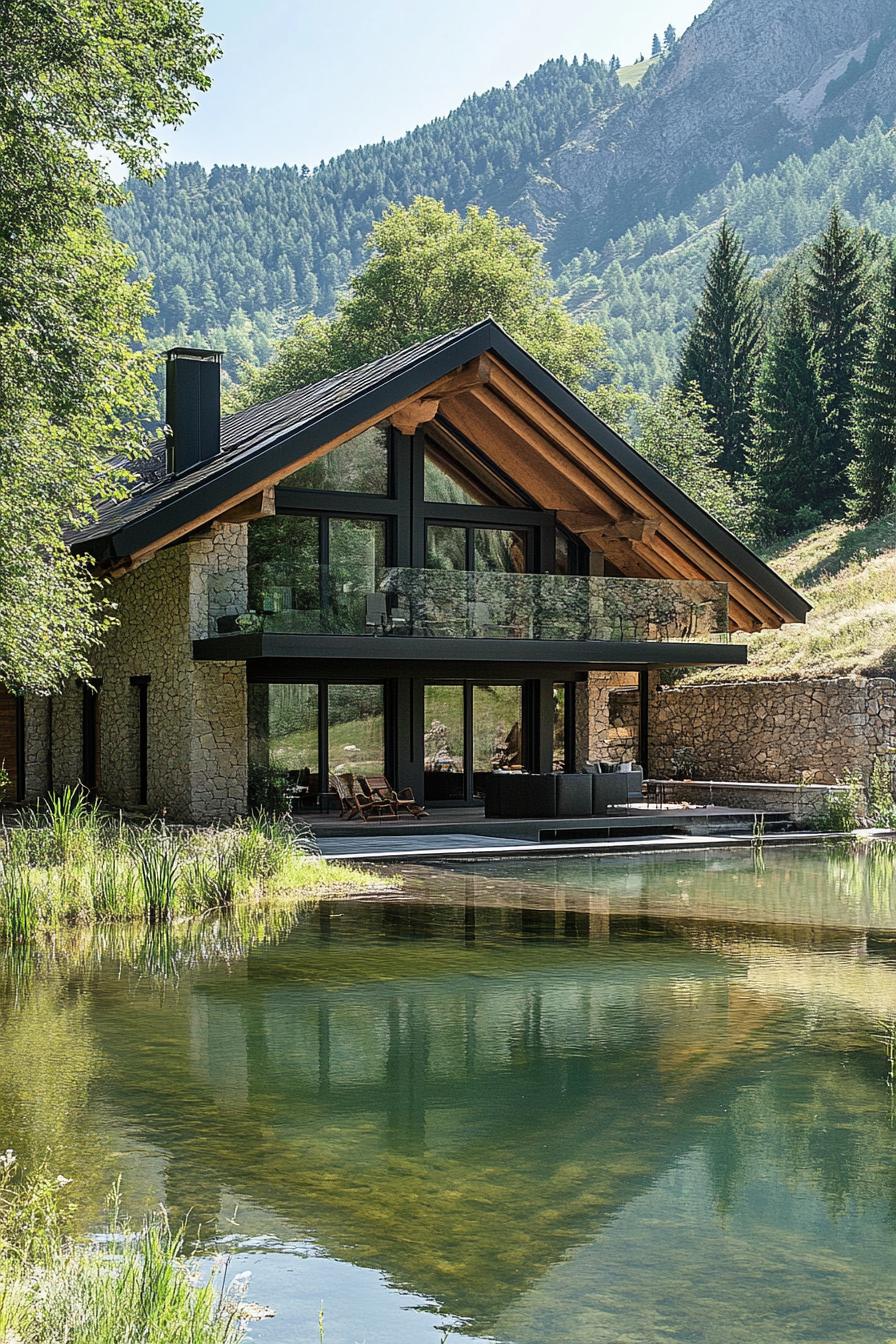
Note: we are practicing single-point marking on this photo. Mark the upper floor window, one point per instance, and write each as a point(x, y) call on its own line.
point(455, 476)
point(359, 466)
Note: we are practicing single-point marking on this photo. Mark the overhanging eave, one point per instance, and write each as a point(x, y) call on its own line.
point(509, 652)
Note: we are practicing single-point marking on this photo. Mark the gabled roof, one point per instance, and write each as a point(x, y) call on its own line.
point(269, 440)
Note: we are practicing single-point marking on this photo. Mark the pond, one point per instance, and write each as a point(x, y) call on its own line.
point(575, 1101)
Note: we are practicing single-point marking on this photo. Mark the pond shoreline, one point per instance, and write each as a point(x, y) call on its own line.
point(67, 862)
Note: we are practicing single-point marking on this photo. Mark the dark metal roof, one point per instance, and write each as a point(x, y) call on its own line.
point(275, 435)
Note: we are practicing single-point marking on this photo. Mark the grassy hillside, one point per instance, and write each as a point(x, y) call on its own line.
point(631, 75)
point(849, 576)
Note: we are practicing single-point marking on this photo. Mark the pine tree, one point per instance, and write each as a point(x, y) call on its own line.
point(837, 300)
point(874, 470)
point(671, 37)
point(722, 350)
point(790, 423)
point(656, 48)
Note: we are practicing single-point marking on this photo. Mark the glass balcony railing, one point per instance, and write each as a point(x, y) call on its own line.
point(451, 604)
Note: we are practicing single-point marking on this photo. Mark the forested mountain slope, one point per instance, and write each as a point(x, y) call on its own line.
point(271, 243)
point(642, 286)
point(771, 111)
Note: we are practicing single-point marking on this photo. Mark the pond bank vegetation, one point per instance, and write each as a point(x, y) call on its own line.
point(128, 1287)
point(66, 861)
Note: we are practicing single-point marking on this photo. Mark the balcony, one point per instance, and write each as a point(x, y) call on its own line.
point(428, 604)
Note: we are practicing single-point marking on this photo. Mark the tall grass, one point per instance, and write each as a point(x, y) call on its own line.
point(131, 1287)
point(67, 862)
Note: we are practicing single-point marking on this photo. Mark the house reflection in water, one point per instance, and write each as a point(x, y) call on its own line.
point(460, 1094)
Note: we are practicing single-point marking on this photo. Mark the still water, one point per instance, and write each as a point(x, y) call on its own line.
point(557, 1102)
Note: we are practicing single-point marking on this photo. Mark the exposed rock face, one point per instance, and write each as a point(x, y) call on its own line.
point(749, 82)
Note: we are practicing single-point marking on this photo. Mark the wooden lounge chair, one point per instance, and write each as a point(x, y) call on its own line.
point(378, 786)
point(354, 802)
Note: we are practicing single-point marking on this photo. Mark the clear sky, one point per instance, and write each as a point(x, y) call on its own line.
point(299, 82)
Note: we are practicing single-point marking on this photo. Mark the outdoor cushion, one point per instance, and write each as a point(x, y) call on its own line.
point(608, 791)
point(573, 795)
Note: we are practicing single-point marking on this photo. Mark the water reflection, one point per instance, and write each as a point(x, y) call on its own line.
point(576, 1101)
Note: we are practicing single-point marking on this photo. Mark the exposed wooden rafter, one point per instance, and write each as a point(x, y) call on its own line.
point(420, 410)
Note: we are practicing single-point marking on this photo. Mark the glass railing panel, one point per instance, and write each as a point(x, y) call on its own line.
point(396, 602)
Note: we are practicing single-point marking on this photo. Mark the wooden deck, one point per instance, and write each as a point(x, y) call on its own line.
point(467, 832)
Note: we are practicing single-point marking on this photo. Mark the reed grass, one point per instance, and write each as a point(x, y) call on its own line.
point(130, 1287)
point(66, 862)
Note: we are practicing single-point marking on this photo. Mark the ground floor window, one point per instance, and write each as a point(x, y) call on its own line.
point(469, 730)
point(440, 738)
point(302, 732)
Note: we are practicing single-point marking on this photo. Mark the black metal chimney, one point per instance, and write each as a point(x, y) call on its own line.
point(192, 407)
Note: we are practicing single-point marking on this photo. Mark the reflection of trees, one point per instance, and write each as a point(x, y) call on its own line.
point(826, 1129)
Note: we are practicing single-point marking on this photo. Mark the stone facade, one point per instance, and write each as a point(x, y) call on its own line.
point(789, 732)
point(196, 712)
point(605, 727)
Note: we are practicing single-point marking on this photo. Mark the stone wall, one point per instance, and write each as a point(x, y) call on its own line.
point(790, 732)
point(605, 730)
point(196, 712)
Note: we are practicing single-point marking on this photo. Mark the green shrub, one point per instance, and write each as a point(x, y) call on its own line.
point(881, 804)
point(843, 811)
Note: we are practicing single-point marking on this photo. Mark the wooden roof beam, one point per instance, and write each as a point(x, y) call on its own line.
point(546, 481)
point(500, 414)
point(506, 384)
point(422, 409)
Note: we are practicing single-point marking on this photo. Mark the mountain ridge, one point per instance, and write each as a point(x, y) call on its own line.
point(753, 88)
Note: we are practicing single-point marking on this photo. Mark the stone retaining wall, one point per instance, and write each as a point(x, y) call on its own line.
point(789, 732)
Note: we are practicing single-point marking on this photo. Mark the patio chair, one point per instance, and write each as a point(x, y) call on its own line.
point(378, 786)
point(355, 803)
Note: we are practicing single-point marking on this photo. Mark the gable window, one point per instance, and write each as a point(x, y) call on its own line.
point(359, 466)
point(453, 474)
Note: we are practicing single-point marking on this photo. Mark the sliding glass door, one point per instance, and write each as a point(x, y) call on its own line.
point(469, 730)
point(300, 733)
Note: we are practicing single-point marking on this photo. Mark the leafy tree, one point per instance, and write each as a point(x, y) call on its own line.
point(429, 272)
point(74, 80)
point(674, 437)
point(656, 45)
point(791, 491)
point(874, 471)
point(837, 300)
point(670, 36)
point(723, 348)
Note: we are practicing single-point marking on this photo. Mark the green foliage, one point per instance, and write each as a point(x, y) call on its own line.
point(74, 80)
point(788, 461)
point(431, 271)
point(874, 471)
point(881, 803)
point(130, 1287)
point(722, 350)
point(837, 303)
point(843, 811)
point(65, 863)
point(268, 785)
point(674, 437)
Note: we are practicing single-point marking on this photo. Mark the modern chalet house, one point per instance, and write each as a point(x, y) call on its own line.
point(424, 568)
